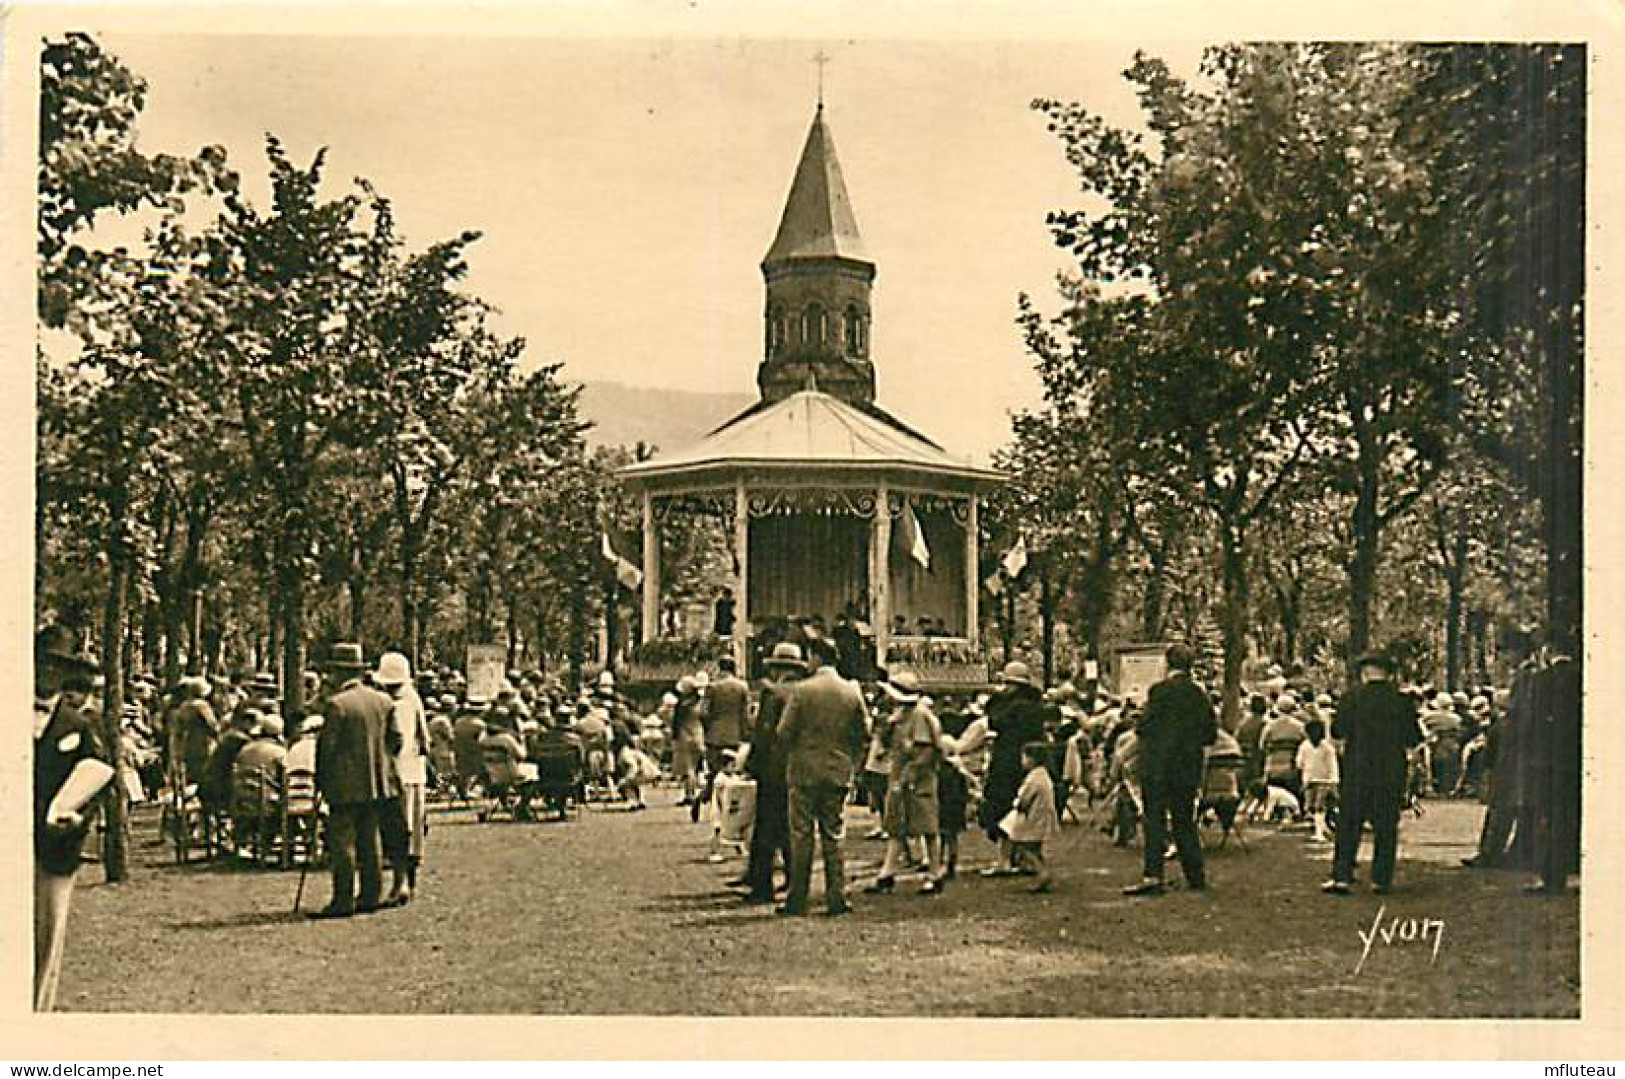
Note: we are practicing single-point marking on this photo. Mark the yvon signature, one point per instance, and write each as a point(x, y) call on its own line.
point(1399, 932)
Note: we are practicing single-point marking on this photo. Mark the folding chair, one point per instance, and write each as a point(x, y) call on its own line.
point(510, 783)
point(1221, 793)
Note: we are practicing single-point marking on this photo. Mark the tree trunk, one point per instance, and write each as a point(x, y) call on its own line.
point(1046, 623)
point(116, 835)
point(480, 609)
point(292, 546)
point(1559, 241)
point(293, 651)
point(1291, 621)
point(1362, 567)
point(274, 627)
point(152, 635)
point(578, 631)
point(358, 606)
point(172, 630)
point(189, 599)
point(1154, 603)
point(512, 633)
point(1233, 620)
point(411, 634)
point(1456, 584)
point(1096, 590)
point(612, 627)
point(1007, 620)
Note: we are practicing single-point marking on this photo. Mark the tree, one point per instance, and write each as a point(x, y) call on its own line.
point(1201, 384)
point(1510, 132)
point(103, 410)
point(532, 503)
point(89, 166)
point(433, 368)
point(283, 314)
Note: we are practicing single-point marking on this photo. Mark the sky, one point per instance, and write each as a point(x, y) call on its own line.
point(627, 190)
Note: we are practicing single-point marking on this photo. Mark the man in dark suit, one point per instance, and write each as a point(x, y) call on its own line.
point(355, 774)
point(1378, 727)
point(1177, 726)
point(69, 770)
point(823, 733)
point(1556, 756)
point(765, 763)
point(727, 713)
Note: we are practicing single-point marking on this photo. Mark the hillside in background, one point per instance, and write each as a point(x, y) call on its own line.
point(669, 419)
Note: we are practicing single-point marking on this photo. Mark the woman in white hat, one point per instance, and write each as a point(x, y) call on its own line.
point(407, 739)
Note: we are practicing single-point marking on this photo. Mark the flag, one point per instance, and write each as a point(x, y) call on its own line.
point(1015, 559)
point(630, 577)
point(914, 537)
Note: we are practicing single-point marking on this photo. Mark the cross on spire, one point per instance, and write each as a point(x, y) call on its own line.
point(821, 58)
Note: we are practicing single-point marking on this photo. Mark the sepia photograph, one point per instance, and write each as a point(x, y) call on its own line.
point(808, 526)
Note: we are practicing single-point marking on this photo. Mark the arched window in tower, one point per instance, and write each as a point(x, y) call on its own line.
point(813, 325)
point(774, 330)
point(854, 331)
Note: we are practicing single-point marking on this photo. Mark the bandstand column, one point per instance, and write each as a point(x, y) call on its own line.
point(651, 570)
point(973, 584)
point(880, 573)
point(742, 586)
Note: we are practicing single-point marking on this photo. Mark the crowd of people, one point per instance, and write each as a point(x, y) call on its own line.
point(1337, 764)
point(809, 741)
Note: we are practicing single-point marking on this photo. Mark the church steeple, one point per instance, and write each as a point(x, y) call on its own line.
point(818, 280)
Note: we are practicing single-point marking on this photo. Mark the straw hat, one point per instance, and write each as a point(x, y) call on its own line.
point(902, 687)
point(1018, 672)
point(345, 656)
point(787, 654)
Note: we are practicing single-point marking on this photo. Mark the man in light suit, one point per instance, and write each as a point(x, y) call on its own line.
point(355, 773)
point(822, 733)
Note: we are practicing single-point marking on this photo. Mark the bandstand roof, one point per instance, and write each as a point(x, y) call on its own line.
point(812, 432)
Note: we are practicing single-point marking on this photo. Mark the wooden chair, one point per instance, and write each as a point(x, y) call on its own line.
point(301, 818)
point(192, 825)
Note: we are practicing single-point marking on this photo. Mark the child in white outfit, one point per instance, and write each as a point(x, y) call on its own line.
point(1034, 819)
point(1317, 763)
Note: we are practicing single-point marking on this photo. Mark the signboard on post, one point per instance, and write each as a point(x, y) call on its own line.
point(1139, 667)
point(487, 667)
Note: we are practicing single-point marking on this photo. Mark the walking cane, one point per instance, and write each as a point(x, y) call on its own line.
point(310, 854)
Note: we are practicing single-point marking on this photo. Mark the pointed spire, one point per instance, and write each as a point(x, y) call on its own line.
point(818, 220)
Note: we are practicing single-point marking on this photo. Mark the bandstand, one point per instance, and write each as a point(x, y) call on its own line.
point(833, 506)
